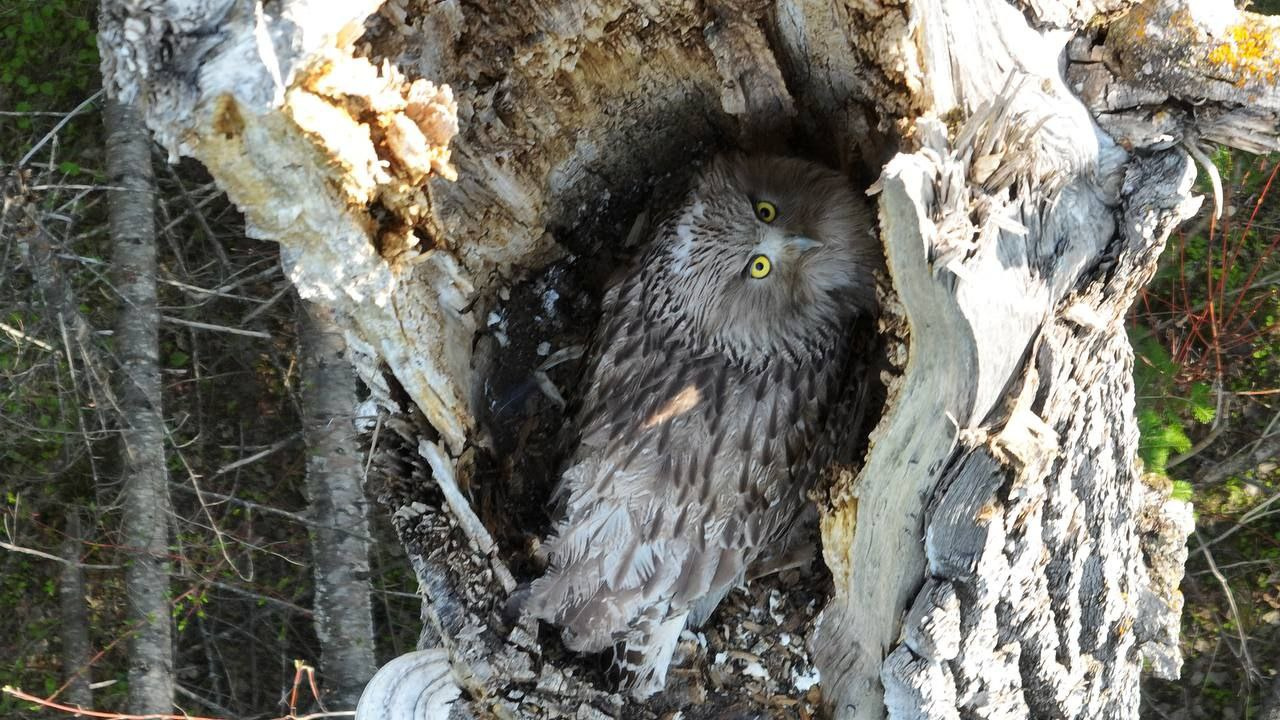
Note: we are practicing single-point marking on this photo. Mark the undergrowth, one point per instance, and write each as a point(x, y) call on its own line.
point(1207, 362)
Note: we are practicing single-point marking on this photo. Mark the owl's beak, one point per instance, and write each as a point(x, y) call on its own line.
point(801, 244)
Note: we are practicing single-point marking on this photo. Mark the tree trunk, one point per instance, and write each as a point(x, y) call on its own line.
point(144, 501)
point(998, 552)
point(335, 494)
point(74, 628)
point(1271, 704)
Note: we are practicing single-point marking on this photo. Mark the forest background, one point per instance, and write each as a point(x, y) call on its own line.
point(1207, 374)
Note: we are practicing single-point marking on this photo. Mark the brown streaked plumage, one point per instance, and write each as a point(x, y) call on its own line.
point(709, 385)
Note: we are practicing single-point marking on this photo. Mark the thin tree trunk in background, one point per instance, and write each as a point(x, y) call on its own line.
point(339, 541)
point(75, 618)
point(145, 498)
point(1271, 705)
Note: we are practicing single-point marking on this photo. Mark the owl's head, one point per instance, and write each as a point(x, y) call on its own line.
point(769, 255)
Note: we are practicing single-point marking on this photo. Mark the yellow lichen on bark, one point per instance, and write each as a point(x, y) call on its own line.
point(1251, 52)
point(1226, 54)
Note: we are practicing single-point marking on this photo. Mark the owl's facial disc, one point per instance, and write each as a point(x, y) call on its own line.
point(768, 255)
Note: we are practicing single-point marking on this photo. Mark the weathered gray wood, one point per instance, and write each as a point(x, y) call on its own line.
point(1218, 60)
point(999, 508)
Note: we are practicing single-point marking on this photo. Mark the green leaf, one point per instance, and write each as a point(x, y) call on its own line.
point(178, 359)
point(1202, 404)
point(69, 168)
point(1174, 438)
point(1182, 490)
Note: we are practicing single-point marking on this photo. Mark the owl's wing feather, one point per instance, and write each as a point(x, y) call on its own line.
point(682, 473)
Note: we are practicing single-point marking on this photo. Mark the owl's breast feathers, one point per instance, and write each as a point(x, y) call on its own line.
point(688, 465)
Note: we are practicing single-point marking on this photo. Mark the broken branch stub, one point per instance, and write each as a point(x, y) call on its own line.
point(326, 154)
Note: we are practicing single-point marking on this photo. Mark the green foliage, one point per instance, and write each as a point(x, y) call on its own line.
point(1166, 408)
point(1182, 490)
point(22, 583)
point(1207, 323)
point(48, 53)
point(1213, 302)
point(48, 64)
point(1208, 318)
point(35, 404)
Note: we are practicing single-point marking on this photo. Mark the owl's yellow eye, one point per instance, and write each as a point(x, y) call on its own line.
point(766, 211)
point(760, 266)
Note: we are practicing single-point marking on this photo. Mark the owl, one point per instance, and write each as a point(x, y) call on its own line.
point(706, 395)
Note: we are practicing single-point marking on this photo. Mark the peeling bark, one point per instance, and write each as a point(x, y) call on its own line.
point(999, 509)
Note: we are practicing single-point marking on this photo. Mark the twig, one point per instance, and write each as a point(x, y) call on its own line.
point(210, 236)
point(17, 334)
point(215, 328)
point(255, 457)
point(218, 291)
point(60, 124)
point(77, 710)
point(55, 558)
point(179, 689)
point(1254, 513)
point(267, 304)
point(373, 445)
point(259, 507)
point(32, 113)
point(1231, 602)
point(282, 604)
point(77, 186)
point(1267, 447)
point(300, 669)
point(205, 291)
